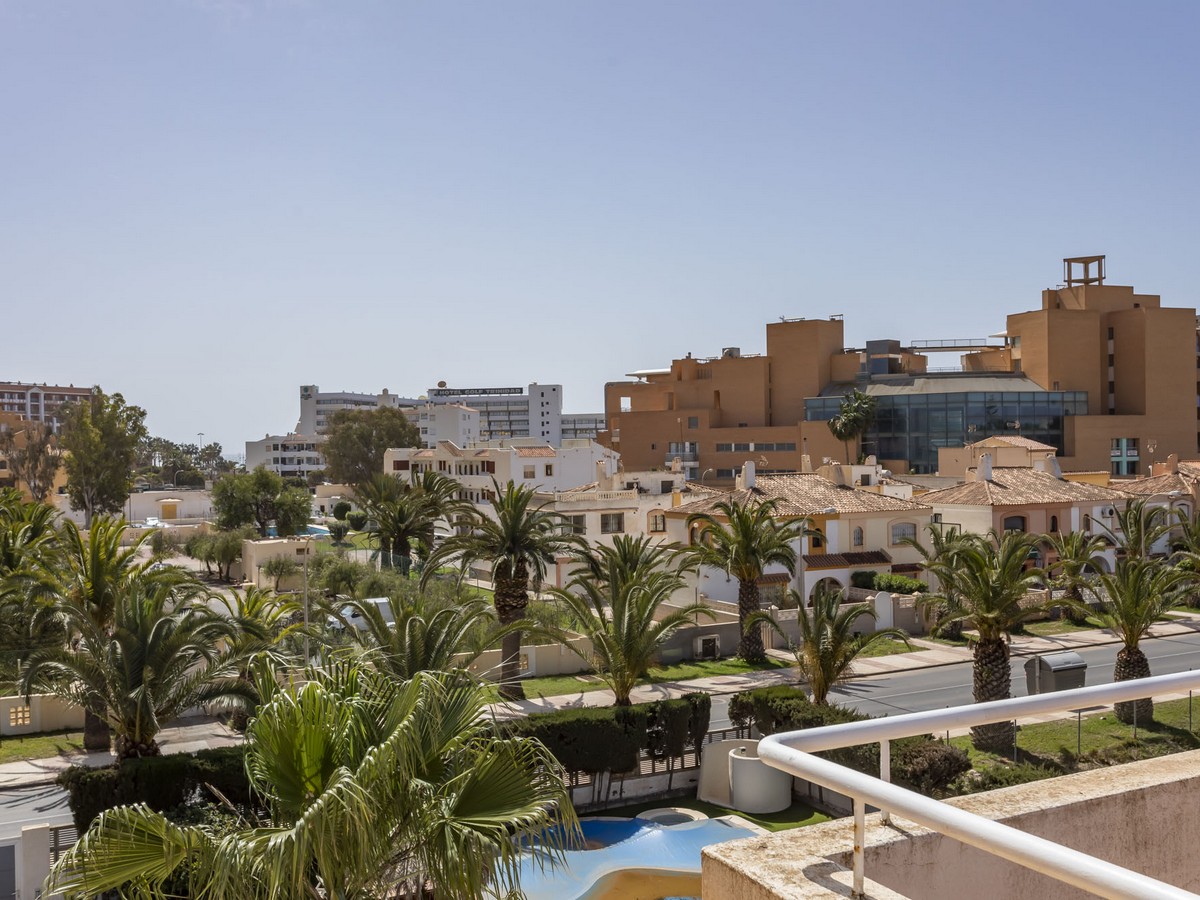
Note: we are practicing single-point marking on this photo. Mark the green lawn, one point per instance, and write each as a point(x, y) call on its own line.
point(556, 685)
point(887, 647)
point(795, 816)
point(1051, 627)
point(40, 746)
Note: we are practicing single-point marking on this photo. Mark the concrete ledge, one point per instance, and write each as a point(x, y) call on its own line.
point(1139, 815)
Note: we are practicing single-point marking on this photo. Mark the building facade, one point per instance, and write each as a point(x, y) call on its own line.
point(39, 402)
point(534, 412)
point(290, 455)
point(317, 405)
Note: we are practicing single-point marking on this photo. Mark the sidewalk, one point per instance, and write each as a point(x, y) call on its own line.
point(198, 734)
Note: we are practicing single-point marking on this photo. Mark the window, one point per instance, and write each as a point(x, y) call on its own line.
point(529, 472)
point(693, 421)
point(741, 448)
point(666, 487)
point(1054, 524)
point(549, 470)
point(1014, 523)
point(658, 522)
point(904, 531)
point(575, 524)
point(857, 540)
point(612, 523)
point(724, 448)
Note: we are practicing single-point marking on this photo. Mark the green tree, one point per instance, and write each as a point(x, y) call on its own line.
point(938, 559)
point(854, 417)
point(27, 538)
point(158, 660)
point(1077, 554)
point(988, 585)
point(370, 788)
point(614, 600)
point(405, 513)
point(260, 498)
point(1139, 593)
point(100, 437)
point(356, 440)
point(828, 644)
point(1137, 527)
point(33, 458)
point(277, 568)
point(520, 540)
point(744, 538)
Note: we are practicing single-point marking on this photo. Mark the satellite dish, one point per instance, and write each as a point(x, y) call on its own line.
point(441, 384)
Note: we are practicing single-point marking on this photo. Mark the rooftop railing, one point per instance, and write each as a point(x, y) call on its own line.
point(793, 752)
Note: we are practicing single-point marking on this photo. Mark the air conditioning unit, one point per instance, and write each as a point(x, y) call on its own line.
point(707, 646)
point(731, 352)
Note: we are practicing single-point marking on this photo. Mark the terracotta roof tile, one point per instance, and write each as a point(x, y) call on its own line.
point(806, 494)
point(535, 451)
point(1021, 486)
point(1014, 440)
point(1159, 484)
point(845, 560)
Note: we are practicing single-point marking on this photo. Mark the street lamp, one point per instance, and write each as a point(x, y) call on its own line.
point(704, 475)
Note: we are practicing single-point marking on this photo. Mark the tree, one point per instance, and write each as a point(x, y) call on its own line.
point(27, 539)
point(939, 560)
point(1141, 592)
point(100, 436)
point(614, 600)
point(1138, 527)
point(405, 513)
point(34, 460)
point(278, 568)
point(260, 498)
point(520, 540)
point(988, 585)
point(828, 645)
point(357, 439)
point(158, 660)
point(371, 789)
point(1077, 555)
point(744, 538)
point(854, 418)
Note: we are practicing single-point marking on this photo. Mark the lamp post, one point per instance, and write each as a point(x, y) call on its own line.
point(704, 475)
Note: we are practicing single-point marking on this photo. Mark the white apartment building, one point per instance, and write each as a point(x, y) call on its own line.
point(39, 402)
point(515, 412)
point(316, 405)
point(524, 461)
point(451, 422)
point(291, 455)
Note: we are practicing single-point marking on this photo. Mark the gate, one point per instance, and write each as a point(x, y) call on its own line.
point(8, 872)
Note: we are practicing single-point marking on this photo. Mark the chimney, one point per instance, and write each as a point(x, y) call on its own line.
point(745, 479)
point(984, 470)
point(603, 481)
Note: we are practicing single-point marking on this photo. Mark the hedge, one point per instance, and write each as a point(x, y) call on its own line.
point(922, 762)
point(160, 782)
point(899, 584)
point(609, 738)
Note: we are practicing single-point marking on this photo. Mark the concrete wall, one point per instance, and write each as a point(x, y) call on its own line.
point(1142, 816)
point(39, 714)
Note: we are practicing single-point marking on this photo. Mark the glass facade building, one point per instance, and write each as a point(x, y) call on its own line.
point(912, 426)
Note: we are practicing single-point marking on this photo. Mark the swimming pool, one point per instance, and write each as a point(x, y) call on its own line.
point(622, 846)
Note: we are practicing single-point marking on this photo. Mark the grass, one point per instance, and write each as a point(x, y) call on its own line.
point(40, 746)
point(1051, 627)
point(795, 816)
point(887, 647)
point(556, 685)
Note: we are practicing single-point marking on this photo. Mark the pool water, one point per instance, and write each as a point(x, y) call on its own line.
point(627, 859)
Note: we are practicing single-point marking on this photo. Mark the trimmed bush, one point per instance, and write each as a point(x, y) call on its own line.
point(357, 520)
point(341, 509)
point(898, 584)
point(865, 579)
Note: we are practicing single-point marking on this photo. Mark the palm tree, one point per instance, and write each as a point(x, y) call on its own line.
point(939, 560)
point(828, 645)
point(1138, 527)
point(744, 538)
point(27, 536)
point(987, 586)
point(616, 599)
point(262, 621)
point(159, 659)
point(1140, 593)
point(853, 419)
point(406, 513)
point(371, 791)
point(520, 541)
point(1077, 555)
point(424, 638)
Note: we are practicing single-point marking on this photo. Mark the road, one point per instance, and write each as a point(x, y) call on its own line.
point(878, 695)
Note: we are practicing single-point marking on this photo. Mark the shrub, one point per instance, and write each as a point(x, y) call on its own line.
point(338, 531)
point(899, 584)
point(341, 509)
point(865, 579)
point(992, 777)
point(930, 765)
point(357, 520)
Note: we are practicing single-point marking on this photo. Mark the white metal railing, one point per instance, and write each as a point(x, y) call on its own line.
point(793, 752)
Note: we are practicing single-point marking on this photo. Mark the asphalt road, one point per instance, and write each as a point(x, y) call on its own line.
point(879, 695)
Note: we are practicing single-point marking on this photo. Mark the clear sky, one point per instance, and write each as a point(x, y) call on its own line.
point(206, 203)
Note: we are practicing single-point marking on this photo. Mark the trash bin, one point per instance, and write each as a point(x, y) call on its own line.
point(1055, 672)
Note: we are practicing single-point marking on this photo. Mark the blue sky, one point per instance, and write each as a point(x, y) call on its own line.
point(207, 204)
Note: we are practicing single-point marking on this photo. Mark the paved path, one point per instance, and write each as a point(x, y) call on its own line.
point(197, 734)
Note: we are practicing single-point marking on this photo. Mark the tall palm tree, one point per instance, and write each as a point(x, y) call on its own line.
point(1078, 554)
point(520, 541)
point(371, 790)
point(938, 559)
point(617, 601)
point(27, 537)
point(1139, 593)
point(853, 419)
point(160, 659)
point(988, 585)
point(828, 645)
point(744, 538)
point(407, 511)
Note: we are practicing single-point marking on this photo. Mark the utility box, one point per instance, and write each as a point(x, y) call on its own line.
point(1055, 672)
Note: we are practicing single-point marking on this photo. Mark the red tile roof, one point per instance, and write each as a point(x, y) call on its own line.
point(806, 494)
point(1021, 486)
point(845, 560)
